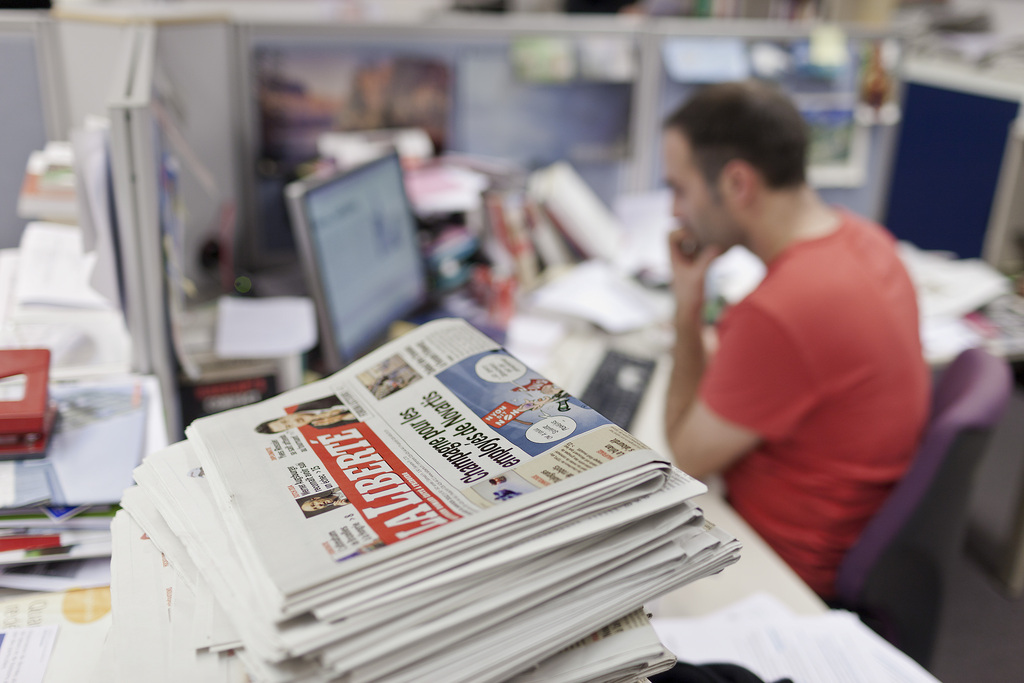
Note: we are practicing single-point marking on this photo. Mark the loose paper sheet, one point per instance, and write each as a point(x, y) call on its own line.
point(269, 327)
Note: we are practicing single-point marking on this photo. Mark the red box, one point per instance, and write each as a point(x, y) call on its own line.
point(26, 418)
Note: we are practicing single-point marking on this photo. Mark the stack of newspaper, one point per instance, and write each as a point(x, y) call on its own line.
point(436, 511)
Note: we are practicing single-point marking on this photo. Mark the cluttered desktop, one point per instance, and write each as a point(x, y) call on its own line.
point(557, 261)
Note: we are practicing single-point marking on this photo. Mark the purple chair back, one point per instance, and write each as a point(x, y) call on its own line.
point(906, 546)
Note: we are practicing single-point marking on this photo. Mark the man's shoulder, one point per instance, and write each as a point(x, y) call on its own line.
point(853, 278)
point(860, 228)
point(858, 250)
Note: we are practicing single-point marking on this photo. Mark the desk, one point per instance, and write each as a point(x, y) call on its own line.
point(759, 569)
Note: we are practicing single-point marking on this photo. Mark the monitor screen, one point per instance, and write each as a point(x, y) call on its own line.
point(359, 248)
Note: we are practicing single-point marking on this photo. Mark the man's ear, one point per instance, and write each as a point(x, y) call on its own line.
point(738, 183)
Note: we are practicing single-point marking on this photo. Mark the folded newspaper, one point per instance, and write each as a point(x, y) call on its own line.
point(435, 511)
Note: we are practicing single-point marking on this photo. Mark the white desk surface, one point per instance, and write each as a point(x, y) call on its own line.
point(759, 569)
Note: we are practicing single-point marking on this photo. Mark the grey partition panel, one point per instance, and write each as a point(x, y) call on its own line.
point(193, 82)
point(136, 153)
point(147, 156)
point(173, 149)
point(123, 178)
point(1004, 238)
point(22, 118)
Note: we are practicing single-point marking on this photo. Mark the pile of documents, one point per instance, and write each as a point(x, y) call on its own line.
point(56, 510)
point(59, 493)
point(436, 511)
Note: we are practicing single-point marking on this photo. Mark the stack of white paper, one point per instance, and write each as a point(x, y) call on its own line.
point(162, 631)
point(437, 511)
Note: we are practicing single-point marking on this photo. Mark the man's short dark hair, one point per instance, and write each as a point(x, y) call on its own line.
point(750, 120)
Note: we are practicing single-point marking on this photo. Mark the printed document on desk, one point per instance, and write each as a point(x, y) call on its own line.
point(23, 483)
point(268, 327)
point(98, 437)
point(85, 338)
point(948, 287)
point(54, 268)
point(761, 634)
point(647, 221)
point(91, 145)
point(25, 652)
point(81, 619)
point(98, 441)
point(597, 293)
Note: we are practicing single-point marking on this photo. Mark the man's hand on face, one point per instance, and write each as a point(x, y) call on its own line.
point(690, 262)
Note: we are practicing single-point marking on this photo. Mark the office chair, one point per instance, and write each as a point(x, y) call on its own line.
point(894, 575)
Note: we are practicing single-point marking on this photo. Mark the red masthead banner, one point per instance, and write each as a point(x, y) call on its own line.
point(390, 498)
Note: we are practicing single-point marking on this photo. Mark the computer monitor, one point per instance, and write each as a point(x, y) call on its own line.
point(359, 249)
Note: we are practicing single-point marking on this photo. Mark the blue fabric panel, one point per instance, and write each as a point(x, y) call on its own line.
point(946, 168)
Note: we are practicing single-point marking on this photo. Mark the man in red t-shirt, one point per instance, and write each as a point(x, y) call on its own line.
point(815, 399)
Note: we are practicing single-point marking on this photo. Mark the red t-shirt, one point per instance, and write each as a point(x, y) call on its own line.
point(823, 360)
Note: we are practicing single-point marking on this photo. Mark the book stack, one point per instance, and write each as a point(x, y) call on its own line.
point(437, 511)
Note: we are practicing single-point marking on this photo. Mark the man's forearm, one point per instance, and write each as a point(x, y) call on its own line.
point(689, 271)
point(688, 359)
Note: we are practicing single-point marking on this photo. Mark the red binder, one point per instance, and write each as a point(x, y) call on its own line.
point(26, 420)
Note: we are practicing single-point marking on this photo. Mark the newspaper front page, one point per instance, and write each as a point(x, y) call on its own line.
point(441, 426)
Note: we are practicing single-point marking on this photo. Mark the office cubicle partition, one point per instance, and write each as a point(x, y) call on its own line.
point(173, 157)
point(532, 90)
point(94, 63)
point(541, 88)
point(950, 157)
point(31, 106)
point(134, 165)
point(54, 75)
point(194, 79)
point(1004, 239)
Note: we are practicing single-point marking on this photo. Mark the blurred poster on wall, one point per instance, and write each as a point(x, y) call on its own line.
point(304, 91)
